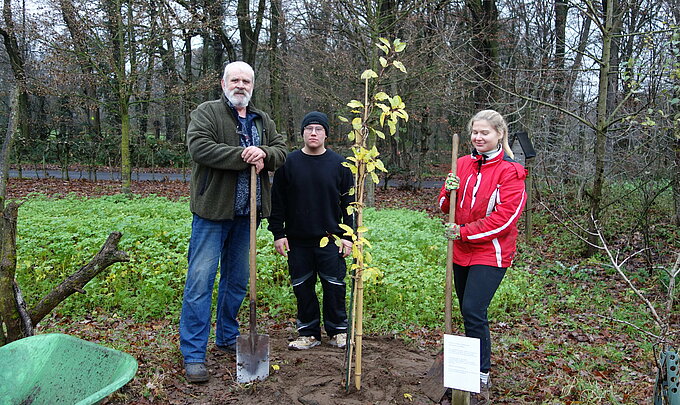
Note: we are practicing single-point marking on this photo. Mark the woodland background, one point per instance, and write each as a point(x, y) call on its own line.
point(595, 84)
point(109, 85)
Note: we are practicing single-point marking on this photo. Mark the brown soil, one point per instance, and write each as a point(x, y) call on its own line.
point(391, 372)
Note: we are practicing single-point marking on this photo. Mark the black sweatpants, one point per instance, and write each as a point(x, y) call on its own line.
point(304, 264)
point(475, 287)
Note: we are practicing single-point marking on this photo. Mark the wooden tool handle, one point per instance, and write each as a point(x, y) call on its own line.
point(449, 252)
point(253, 245)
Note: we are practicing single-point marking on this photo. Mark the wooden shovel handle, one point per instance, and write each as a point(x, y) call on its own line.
point(449, 252)
point(253, 247)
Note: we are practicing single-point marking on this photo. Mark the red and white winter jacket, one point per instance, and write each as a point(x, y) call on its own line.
point(489, 202)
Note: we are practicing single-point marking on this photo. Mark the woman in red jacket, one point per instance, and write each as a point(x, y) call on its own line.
point(489, 200)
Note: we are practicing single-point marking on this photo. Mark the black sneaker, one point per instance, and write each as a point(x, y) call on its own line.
point(196, 372)
point(229, 349)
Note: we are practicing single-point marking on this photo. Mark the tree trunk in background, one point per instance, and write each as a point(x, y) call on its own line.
point(276, 67)
point(189, 100)
point(602, 125)
point(18, 65)
point(561, 10)
point(217, 65)
point(484, 29)
point(249, 34)
point(675, 113)
point(78, 36)
point(119, 81)
point(143, 98)
point(171, 105)
point(613, 86)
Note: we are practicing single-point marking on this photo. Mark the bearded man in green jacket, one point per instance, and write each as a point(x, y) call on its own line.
point(225, 137)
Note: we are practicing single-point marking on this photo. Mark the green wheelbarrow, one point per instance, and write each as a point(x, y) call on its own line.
point(59, 369)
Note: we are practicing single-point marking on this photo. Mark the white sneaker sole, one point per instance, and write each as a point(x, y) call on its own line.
point(290, 347)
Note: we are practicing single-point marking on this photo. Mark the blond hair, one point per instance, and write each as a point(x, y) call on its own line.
point(496, 120)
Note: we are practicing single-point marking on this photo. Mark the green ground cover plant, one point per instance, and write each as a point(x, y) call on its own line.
point(552, 319)
point(55, 237)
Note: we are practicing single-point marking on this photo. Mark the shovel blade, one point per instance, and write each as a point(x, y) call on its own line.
point(252, 358)
point(433, 382)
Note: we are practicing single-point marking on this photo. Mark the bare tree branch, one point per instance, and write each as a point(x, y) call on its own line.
point(108, 255)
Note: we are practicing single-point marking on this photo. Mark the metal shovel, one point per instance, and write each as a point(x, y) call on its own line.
point(252, 351)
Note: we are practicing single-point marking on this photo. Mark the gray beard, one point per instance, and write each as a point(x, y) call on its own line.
point(238, 102)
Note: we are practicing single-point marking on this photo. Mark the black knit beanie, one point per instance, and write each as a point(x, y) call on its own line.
point(315, 117)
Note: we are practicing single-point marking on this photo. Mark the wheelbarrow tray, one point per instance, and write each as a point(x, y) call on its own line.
point(60, 369)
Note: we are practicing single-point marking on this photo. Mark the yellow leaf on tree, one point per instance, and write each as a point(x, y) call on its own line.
point(396, 102)
point(368, 74)
point(380, 166)
point(348, 231)
point(399, 66)
point(393, 126)
point(383, 107)
point(323, 242)
point(355, 104)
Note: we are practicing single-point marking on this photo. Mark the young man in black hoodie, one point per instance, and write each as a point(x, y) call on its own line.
point(310, 196)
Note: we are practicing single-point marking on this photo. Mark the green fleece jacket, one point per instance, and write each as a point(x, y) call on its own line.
point(216, 155)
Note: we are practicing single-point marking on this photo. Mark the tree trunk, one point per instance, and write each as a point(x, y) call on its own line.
point(561, 8)
point(18, 65)
point(484, 30)
point(602, 126)
point(10, 320)
point(125, 162)
point(7, 147)
point(675, 113)
point(249, 34)
point(77, 33)
point(189, 100)
point(276, 67)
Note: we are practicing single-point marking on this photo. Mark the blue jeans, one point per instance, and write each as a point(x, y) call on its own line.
point(213, 242)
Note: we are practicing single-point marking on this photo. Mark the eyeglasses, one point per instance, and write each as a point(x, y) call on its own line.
point(319, 129)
